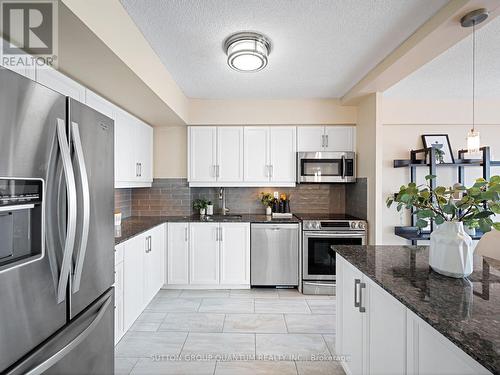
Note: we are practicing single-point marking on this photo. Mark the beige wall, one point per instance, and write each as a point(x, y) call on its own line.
point(266, 112)
point(368, 138)
point(398, 139)
point(170, 152)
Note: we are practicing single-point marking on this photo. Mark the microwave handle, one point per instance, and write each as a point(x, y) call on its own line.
point(343, 166)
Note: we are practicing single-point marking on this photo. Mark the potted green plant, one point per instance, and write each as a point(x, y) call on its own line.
point(267, 200)
point(200, 205)
point(451, 248)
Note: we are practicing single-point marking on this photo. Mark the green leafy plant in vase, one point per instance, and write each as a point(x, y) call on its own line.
point(200, 205)
point(451, 208)
point(267, 200)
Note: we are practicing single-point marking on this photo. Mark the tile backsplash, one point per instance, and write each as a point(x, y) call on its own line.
point(174, 197)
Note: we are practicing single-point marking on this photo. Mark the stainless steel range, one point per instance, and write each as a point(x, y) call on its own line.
point(319, 233)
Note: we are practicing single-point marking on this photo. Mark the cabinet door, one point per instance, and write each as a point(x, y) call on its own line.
point(386, 331)
point(60, 83)
point(99, 104)
point(230, 154)
point(119, 329)
point(154, 262)
point(178, 254)
point(204, 253)
point(310, 138)
point(349, 318)
point(144, 151)
point(133, 281)
point(429, 352)
point(339, 138)
point(235, 253)
point(202, 153)
point(125, 165)
point(282, 154)
point(256, 154)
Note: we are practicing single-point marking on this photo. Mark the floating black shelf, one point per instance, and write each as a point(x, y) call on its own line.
point(412, 233)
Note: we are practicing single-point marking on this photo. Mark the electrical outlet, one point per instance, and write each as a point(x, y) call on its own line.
point(276, 194)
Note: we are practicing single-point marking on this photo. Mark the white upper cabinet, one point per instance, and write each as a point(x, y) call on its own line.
point(270, 155)
point(202, 154)
point(215, 155)
point(60, 83)
point(326, 138)
point(229, 167)
point(256, 149)
point(340, 138)
point(133, 151)
point(242, 155)
point(282, 154)
point(310, 138)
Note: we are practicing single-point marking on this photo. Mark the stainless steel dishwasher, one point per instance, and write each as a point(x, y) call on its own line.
point(274, 254)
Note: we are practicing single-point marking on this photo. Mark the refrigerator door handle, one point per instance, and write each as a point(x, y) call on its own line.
point(75, 131)
point(71, 210)
point(40, 368)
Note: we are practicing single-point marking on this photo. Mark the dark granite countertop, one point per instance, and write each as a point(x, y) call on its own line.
point(466, 311)
point(135, 225)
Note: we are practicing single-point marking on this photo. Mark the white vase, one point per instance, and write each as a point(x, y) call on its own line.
point(269, 211)
point(202, 211)
point(451, 250)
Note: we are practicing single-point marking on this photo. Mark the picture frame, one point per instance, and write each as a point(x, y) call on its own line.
point(442, 143)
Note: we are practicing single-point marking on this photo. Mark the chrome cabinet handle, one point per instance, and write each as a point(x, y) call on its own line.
point(323, 140)
point(221, 238)
point(356, 283)
point(136, 169)
point(272, 170)
point(326, 138)
point(69, 175)
point(361, 307)
point(218, 171)
point(140, 169)
point(343, 166)
point(77, 143)
point(146, 250)
point(186, 234)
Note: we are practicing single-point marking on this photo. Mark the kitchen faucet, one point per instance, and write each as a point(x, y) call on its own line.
point(222, 197)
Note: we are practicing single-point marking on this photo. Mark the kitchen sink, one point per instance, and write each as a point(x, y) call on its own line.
point(222, 218)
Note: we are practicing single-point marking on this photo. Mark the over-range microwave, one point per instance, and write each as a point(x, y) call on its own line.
point(326, 167)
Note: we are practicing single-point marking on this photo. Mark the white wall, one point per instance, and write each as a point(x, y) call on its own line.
point(398, 139)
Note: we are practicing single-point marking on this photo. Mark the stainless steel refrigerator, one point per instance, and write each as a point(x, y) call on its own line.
point(56, 232)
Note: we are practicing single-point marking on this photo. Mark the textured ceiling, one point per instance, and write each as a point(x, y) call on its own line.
point(450, 74)
point(321, 48)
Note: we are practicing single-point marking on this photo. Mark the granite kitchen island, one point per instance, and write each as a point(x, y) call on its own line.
point(396, 314)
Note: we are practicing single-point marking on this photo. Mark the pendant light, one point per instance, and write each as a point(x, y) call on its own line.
point(471, 20)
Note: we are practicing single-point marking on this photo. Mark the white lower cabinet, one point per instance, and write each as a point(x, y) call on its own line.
point(380, 336)
point(119, 328)
point(143, 273)
point(202, 255)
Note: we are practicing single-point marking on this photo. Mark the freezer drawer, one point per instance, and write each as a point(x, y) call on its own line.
point(274, 254)
point(85, 346)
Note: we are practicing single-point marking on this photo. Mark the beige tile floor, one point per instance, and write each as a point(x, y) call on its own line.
point(237, 332)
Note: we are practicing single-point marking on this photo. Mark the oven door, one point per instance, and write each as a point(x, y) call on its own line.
point(319, 258)
point(321, 167)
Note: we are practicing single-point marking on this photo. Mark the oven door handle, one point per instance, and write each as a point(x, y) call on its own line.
point(335, 235)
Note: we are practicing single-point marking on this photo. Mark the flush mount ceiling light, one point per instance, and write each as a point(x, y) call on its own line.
point(247, 52)
point(473, 19)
